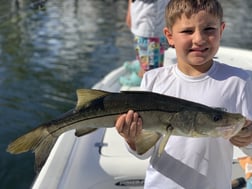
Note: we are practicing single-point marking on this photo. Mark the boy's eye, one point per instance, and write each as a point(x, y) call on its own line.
point(187, 31)
point(209, 29)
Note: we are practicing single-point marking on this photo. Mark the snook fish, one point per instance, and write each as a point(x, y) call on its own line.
point(162, 116)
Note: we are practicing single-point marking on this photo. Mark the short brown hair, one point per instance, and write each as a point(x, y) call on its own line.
point(176, 8)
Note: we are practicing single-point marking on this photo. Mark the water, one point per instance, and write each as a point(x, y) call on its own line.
point(46, 55)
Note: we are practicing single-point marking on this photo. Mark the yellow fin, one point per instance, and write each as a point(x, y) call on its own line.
point(164, 141)
point(39, 140)
point(146, 140)
point(86, 95)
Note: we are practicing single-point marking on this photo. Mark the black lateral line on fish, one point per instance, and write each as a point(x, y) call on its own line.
point(55, 122)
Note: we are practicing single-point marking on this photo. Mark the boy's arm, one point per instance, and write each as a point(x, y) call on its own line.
point(128, 15)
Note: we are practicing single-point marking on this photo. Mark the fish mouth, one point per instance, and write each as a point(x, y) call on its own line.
point(228, 131)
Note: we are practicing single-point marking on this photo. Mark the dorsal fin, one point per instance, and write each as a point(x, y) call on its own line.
point(86, 95)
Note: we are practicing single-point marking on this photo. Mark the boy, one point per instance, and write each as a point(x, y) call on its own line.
point(194, 29)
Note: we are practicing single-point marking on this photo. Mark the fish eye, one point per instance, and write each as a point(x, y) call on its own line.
point(217, 117)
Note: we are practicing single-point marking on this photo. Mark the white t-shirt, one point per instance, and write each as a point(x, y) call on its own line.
point(197, 163)
point(148, 17)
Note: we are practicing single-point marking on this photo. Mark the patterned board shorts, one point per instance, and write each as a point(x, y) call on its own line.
point(150, 51)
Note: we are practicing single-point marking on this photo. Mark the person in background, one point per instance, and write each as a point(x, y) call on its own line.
point(194, 28)
point(145, 18)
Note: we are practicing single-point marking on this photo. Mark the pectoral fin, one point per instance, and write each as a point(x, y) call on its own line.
point(146, 140)
point(164, 140)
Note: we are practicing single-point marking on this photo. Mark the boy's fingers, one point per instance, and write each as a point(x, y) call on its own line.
point(129, 117)
point(133, 129)
point(139, 126)
point(129, 125)
point(135, 117)
point(120, 123)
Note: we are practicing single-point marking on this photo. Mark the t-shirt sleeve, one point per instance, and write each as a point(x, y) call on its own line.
point(143, 156)
point(247, 110)
point(247, 100)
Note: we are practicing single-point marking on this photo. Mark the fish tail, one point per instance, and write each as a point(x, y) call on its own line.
point(39, 141)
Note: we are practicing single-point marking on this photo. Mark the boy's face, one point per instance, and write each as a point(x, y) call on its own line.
point(196, 40)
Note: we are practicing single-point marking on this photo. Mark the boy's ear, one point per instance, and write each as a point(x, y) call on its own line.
point(168, 35)
point(222, 28)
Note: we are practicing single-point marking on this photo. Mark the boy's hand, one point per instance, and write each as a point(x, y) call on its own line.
point(129, 126)
point(244, 137)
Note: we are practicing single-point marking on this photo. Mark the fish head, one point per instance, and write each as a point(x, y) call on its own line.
point(208, 123)
point(218, 123)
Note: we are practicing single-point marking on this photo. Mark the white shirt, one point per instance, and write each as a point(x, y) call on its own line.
point(195, 163)
point(148, 17)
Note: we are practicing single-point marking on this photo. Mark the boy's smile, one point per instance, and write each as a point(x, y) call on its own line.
point(196, 39)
